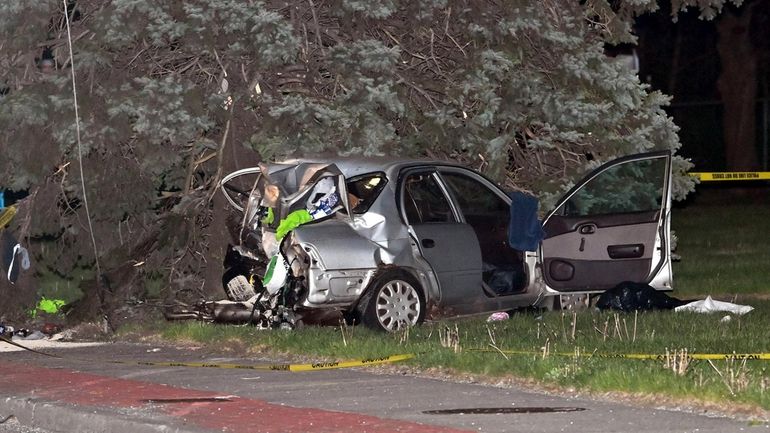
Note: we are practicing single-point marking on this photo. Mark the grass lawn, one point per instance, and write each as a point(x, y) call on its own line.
point(723, 253)
point(724, 249)
point(552, 342)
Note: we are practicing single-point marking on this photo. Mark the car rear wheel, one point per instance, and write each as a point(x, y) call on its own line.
point(394, 302)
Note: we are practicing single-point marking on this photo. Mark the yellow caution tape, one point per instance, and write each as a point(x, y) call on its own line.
point(734, 175)
point(276, 367)
point(701, 356)
point(658, 357)
point(6, 215)
point(273, 367)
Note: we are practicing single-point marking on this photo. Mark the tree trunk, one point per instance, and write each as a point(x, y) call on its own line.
point(16, 299)
point(234, 157)
point(738, 89)
point(674, 74)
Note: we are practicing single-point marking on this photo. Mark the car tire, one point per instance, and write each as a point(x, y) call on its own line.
point(239, 289)
point(395, 300)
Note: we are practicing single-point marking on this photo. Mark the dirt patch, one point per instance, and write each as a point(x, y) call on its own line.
point(17, 299)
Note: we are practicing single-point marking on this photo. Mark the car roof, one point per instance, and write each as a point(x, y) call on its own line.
point(353, 166)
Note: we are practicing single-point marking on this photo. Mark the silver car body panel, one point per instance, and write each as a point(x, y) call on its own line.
point(380, 238)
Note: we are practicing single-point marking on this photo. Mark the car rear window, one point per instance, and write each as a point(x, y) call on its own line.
point(363, 190)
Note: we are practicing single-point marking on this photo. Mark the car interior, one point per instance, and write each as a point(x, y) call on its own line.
point(503, 268)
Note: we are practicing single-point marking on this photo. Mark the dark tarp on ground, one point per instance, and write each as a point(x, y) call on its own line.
point(630, 296)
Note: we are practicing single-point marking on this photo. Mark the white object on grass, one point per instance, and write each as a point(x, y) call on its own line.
point(709, 305)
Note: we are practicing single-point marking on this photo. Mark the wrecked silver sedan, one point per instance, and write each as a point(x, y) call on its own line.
point(391, 242)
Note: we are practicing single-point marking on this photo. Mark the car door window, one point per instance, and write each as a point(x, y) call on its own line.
point(632, 187)
point(424, 200)
point(475, 199)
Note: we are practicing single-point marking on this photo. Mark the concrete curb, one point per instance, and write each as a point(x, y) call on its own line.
point(62, 417)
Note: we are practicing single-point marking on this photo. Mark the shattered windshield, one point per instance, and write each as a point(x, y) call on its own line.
point(363, 190)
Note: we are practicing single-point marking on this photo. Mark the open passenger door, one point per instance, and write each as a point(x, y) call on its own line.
point(612, 227)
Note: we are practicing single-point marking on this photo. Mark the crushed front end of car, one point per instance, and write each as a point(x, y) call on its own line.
point(297, 252)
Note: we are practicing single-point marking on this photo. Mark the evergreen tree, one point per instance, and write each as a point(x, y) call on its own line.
point(174, 94)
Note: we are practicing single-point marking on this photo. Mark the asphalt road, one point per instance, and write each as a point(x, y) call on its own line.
point(83, 393)
point(13, 426)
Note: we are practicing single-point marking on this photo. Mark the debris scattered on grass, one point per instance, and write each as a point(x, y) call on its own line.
point(500, 315)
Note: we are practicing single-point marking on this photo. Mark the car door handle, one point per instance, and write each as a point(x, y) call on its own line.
point(428, 243)
point(630, 251)
point(587, 229)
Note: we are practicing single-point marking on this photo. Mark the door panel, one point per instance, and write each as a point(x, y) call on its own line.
point(596, 245)
point(448, 245)
point(610, 228)
point(588, 256)
point(453, 252)
point(587, 275)
point(559, 224)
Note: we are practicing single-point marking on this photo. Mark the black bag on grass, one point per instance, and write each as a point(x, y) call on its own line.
point(630, 296)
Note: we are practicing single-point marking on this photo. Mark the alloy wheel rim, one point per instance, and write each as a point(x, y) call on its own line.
point(398, 305)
